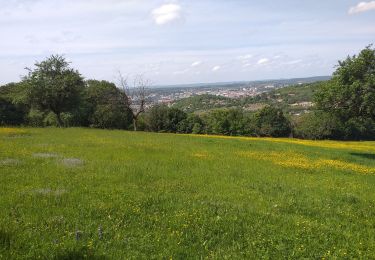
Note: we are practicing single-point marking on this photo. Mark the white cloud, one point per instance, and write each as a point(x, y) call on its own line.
point(245, 57)
point(167, 13)
point(196, 63)
point(362, 7)
point(216, 68)
point(263, 61)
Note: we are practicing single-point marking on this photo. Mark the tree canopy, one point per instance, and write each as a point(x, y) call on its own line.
point(350, 95)
point(53, 85)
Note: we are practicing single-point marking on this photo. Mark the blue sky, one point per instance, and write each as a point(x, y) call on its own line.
point(185, 41)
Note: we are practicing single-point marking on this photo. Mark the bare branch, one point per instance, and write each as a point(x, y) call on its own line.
point(136, 95)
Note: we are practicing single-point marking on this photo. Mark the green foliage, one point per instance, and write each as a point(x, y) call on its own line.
point(51, 120)
point(12, 110)
point(68, 119)
point(224, 122)
point(192, 124)
point(350, 95)
point(105, 107)
point(54, 86)
point(161, 118)
point(270, 121)
point(316, 125)
point(110, 116)
point(35, 118)
point(197, 129)
point(203, 103)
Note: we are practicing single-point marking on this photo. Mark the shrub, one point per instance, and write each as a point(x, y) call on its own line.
point(35, 118)
point(271, 122)
point(316, 125)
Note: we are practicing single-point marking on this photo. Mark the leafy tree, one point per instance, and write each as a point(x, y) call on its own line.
point(270, 121)
point(104, 105)
point(316, 125)
point(224, 122)
point(161, 118)
point(191, 124)
point(350, 94)
point(217, 122)
point(12, 108)
point(35, 118)
point(54, 86)
point(197, 128)
point(175, 118)
point(156, 118)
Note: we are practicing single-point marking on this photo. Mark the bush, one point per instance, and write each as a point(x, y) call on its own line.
point(108, 116)
point(35, 118)
point(11, 114)
point(271, 122)
point(224, 122)
point(316, 125)
point(50, 119)
point(161, 118)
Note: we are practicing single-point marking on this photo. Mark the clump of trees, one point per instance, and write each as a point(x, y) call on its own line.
point(269, 121)
point(345, 105)
point(54, 94)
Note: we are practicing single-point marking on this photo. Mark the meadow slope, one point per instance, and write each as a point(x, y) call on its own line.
point(76, 193)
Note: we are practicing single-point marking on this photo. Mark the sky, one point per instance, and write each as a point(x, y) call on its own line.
point(185, 41)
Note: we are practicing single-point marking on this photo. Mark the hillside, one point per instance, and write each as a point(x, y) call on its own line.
point(100, 194)
point(294, 99)
point(204, 102)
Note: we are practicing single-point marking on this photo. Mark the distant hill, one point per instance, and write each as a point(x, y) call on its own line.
point(204, 103)
point(236, 84)
point(294, 100)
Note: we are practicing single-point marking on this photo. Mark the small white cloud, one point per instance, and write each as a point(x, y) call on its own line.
point(245, 57)
point(263, 61)
point(245, 65)
point(196, 63)
point(216, 68)
point(362, 7)
point(167, 13)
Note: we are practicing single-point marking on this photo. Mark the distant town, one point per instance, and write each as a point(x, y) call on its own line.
point(236, 90)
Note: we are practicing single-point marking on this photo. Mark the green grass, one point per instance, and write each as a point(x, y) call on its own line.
point(176, 196)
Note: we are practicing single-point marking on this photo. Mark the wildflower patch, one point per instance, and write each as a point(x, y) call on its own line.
point(297, 160)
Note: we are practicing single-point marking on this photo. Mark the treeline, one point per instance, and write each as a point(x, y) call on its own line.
point(98, 104)
point(54, 94)
point(269, 121)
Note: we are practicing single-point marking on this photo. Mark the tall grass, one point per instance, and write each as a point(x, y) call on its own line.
point(114, 195)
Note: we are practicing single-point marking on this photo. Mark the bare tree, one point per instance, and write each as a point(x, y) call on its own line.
point(136, 95)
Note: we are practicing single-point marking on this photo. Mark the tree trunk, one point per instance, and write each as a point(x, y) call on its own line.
point(135, 124)
point(59, 121)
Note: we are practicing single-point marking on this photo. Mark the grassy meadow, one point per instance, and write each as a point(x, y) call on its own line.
point(100, 194)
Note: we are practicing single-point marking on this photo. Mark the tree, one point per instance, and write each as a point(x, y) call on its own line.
point(270, 121)
point(13, 110)
point(351, 91)
point(104, 105)
point(54, 86)
point(135, 96)
point(350, 94)
point(161, 118)
point(191, 124)
point(224, 121)
point(316, 125)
